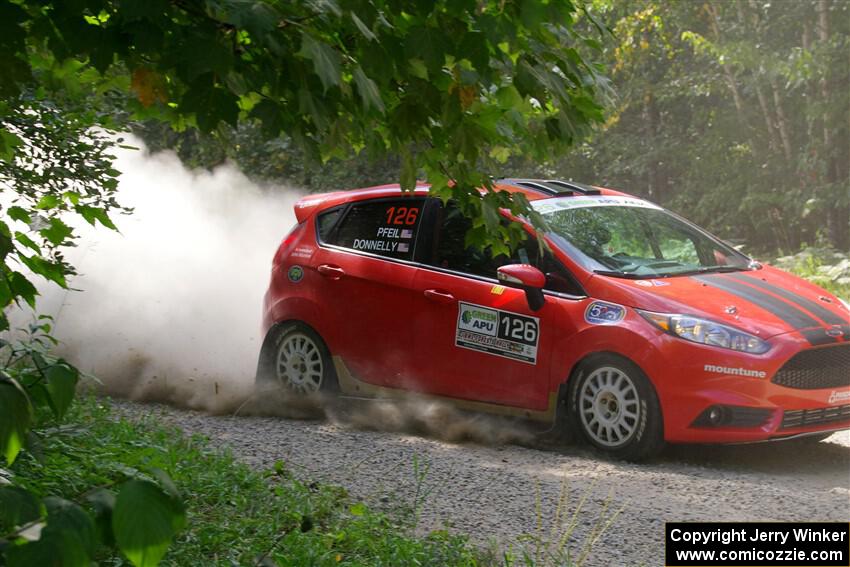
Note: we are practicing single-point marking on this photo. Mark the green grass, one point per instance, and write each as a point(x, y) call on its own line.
point(236, 515)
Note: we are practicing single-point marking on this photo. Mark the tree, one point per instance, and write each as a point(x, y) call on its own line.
point(736, 113)
point(452, 87)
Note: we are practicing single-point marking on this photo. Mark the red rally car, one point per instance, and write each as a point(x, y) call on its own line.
point(633, 325)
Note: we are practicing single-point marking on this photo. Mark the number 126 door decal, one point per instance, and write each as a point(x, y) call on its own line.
point(497, 332)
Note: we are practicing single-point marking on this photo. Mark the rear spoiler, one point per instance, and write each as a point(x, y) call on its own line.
point(305, 206)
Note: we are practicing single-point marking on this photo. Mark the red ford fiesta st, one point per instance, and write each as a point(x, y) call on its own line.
point(633, 325)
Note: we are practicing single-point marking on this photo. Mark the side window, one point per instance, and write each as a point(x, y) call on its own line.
point(327, 221)
point(387, 228)
point(451, 254)
point(558, 278)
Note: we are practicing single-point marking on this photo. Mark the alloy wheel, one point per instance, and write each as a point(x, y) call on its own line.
point(299, 364)
point(609, 406)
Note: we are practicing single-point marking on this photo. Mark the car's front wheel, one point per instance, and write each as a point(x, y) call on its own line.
point(296, 360)
point(615, 407)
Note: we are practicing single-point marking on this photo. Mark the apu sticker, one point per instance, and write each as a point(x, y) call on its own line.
point(295, 274)
point(501, 333)
point(601, 313)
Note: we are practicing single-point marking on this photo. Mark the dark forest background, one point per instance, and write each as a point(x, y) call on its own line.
point(735, 114)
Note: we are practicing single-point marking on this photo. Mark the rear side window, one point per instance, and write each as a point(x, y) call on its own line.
point(387, 228)
point(327, 221)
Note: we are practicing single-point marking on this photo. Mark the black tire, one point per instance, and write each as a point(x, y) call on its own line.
point(614, 405)
point(309, 369)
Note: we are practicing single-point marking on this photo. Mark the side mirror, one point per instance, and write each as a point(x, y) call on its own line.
point(525, 277)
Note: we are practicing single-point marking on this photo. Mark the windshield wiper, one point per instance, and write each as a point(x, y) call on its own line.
point(624, 275)
point(714, 270)
point(703, 270)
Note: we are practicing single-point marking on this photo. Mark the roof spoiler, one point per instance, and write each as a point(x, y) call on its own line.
point(552, 187)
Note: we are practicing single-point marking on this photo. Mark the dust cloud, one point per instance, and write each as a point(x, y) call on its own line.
point(168, 309)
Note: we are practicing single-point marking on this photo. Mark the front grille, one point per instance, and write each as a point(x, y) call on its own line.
point(809, 417)
point(827, 367)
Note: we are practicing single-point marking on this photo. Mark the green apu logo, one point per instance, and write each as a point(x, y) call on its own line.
point(467, 316)
point(296, 274)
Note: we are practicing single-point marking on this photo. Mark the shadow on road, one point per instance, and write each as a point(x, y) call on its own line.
point(796, 457)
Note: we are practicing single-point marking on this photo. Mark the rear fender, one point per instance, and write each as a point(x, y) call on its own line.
point(303, 310)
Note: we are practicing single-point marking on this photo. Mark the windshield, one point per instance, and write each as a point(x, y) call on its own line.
point(629, 237)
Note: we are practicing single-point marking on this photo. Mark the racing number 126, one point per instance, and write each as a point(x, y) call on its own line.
point(402, 215)
point(518, 329)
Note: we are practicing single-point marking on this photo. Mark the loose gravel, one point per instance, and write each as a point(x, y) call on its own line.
point(498, 493)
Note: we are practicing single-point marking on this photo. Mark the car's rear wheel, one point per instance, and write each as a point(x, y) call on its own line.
point(615, 407)
point(295, 359)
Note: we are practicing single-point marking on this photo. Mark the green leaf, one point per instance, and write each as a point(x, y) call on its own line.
point(144, 521)
point(61, 385)
point(6, 245)
point(46, 551)
point(211, 104)
point(364, 29)
point(21, 287)
point(8, 143)
point(408, 172)
point(74, 526)
point(358, 509)
point(325, 60)
point(92, 214)
point(53, 271)
point(103, 502)
point(56, 232)
point(68, 539)
point(418, 68)
point(17, 507)
point(27, 241)
point(15, 418)
point(48, 202)
point(19, 214)
point(368, 90)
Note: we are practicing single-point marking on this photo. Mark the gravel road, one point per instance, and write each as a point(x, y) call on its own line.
point(499, 491)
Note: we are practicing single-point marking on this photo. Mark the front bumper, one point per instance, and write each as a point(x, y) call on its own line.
point(755, 408)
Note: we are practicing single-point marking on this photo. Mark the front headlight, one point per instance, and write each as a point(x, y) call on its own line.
point(706, 332)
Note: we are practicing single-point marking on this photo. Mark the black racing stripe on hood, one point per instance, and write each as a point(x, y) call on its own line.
point(812, 307)
point(794, 317)
point(818, 337)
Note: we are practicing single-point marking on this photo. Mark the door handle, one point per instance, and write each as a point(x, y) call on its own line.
point(439, 296)
point(330, 271)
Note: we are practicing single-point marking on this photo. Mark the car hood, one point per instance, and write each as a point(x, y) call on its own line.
point(765, 302)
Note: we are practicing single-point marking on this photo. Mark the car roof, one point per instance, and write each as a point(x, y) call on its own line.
point(533, 189)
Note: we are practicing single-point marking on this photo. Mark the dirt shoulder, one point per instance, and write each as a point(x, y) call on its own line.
point(499, 492)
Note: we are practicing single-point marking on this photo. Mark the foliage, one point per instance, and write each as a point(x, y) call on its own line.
point(56, 172)
point(736, 114)
point(274, 161)
point(552, 544)
point(827, 268)
point(452, 88)
point(236, 515)
point(139, 512)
